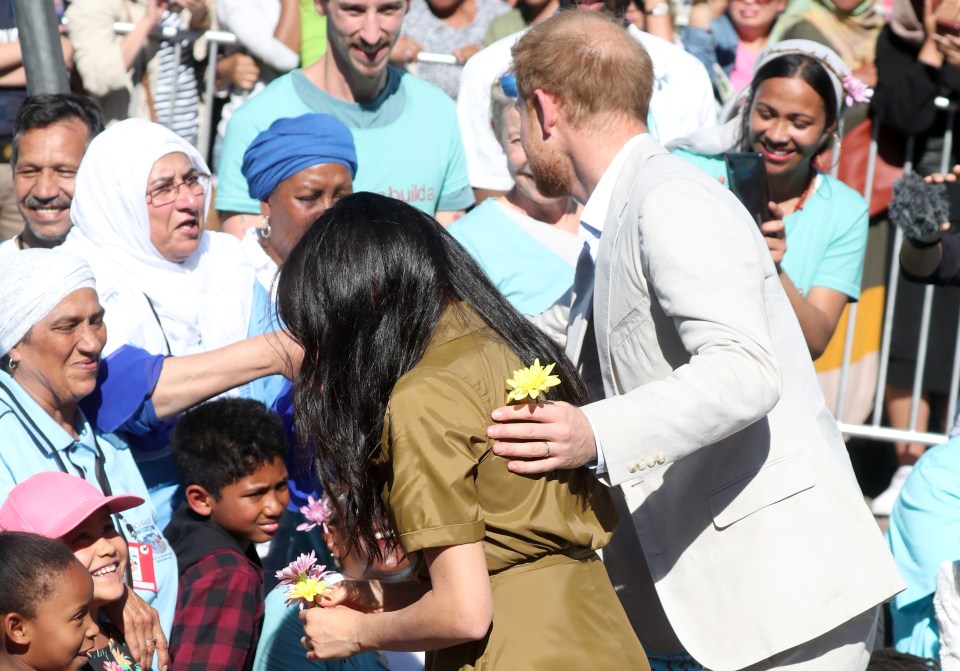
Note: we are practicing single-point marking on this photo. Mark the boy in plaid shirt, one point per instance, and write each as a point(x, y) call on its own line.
point(230, 457)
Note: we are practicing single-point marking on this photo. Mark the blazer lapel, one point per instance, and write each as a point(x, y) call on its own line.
point(624, 189)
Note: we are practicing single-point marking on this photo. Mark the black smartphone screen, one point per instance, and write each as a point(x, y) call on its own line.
point(747, 178)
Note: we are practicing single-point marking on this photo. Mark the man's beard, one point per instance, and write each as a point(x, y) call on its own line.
point(552, 171)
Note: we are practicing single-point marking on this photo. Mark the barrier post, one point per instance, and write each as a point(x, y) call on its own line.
point(40, 46)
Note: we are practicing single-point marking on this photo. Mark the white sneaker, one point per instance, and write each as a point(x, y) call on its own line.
point(882, 506)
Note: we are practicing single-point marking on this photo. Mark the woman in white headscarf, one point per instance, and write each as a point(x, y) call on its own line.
point(168, 286)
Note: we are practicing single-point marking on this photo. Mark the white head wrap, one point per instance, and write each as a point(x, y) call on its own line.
point(153, 303)
point(34, 282)
point(847, 89)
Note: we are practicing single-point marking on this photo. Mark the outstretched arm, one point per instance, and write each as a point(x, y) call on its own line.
point(457, 608)
point(188, 380)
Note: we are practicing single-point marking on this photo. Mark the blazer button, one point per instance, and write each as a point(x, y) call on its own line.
point(632, 468)
point(660, 459)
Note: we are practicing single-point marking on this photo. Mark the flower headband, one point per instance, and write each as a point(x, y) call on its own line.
point(848, 88)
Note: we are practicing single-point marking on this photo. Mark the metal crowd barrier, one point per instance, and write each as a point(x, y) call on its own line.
point(215, 39)
point(873, 428)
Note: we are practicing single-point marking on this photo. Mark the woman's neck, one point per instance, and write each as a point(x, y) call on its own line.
point(269, 250)
point(561, 213)
point(64, 414)
point(459, 16)
point(791, 186)
point(753, 40)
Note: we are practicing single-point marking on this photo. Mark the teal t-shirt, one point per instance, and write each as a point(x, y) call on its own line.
point(924, 532)
point(826, 240)
point(530, 262)
point(408, 141)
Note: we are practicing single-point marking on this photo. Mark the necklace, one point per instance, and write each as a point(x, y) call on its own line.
point(806, 192)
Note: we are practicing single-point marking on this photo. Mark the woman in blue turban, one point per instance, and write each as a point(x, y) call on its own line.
point(297, 168)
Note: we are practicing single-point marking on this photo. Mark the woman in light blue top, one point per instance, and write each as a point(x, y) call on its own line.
point(817, 227)
point(526, 242)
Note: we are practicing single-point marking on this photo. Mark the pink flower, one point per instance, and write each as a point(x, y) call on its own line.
point(856, 90)
point(302, 565)
point(317, 512)
point(303, 581)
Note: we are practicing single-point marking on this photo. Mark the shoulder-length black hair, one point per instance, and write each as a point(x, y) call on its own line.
point(362, 293)
point(791, 66)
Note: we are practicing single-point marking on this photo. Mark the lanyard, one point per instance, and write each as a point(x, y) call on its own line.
point(99, 467)
point(159, 325)
point(31, 428)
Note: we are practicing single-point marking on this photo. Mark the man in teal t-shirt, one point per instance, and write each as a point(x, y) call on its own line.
point(405, 130)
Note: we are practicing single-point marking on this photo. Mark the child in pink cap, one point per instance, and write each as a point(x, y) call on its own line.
point(70, 509)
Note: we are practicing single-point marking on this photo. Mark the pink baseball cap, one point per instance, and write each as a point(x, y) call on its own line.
point(53, 504)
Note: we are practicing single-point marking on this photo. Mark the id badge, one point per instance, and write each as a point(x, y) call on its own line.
point(141, 567)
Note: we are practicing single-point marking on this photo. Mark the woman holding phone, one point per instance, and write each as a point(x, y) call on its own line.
point(816, 227)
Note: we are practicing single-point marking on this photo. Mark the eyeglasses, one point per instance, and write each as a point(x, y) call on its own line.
point(166, 194)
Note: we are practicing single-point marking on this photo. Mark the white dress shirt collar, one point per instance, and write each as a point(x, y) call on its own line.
point(595, 210)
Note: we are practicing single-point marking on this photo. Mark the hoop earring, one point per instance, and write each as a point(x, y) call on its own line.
point(264, 232)
point(834, 145)
point(13, 365)
point(837, 146)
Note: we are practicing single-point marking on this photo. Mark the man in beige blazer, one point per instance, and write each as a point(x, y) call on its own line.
point(752, 527)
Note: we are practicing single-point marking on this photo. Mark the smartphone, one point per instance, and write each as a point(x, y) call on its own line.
point(747, 178)
point(948, 28)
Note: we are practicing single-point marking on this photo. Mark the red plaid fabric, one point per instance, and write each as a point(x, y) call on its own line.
point(219, 614)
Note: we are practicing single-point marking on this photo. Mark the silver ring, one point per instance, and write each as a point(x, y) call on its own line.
point(152, 639)
point(546, 445)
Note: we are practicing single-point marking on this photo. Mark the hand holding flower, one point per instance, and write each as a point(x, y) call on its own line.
point(331, 633)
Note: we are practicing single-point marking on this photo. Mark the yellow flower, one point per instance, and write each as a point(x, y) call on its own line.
point(307, 588)
point(532, 381)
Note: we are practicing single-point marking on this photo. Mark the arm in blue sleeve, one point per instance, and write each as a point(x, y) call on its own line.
point(121, 401)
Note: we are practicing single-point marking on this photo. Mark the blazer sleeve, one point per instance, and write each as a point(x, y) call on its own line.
point(705, 270)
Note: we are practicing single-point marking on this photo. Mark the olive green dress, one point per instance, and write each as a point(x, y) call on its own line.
point(554, 606)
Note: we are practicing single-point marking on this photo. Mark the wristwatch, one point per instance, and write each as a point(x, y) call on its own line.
point(660, 9)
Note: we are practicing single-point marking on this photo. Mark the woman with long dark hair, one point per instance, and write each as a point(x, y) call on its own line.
point(407, 350)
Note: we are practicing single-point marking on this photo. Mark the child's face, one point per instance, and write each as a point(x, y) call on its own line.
point(250, 508)
point(102, 551)
point(62, 633)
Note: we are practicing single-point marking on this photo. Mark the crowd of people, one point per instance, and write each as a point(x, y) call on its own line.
point(445, 320)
